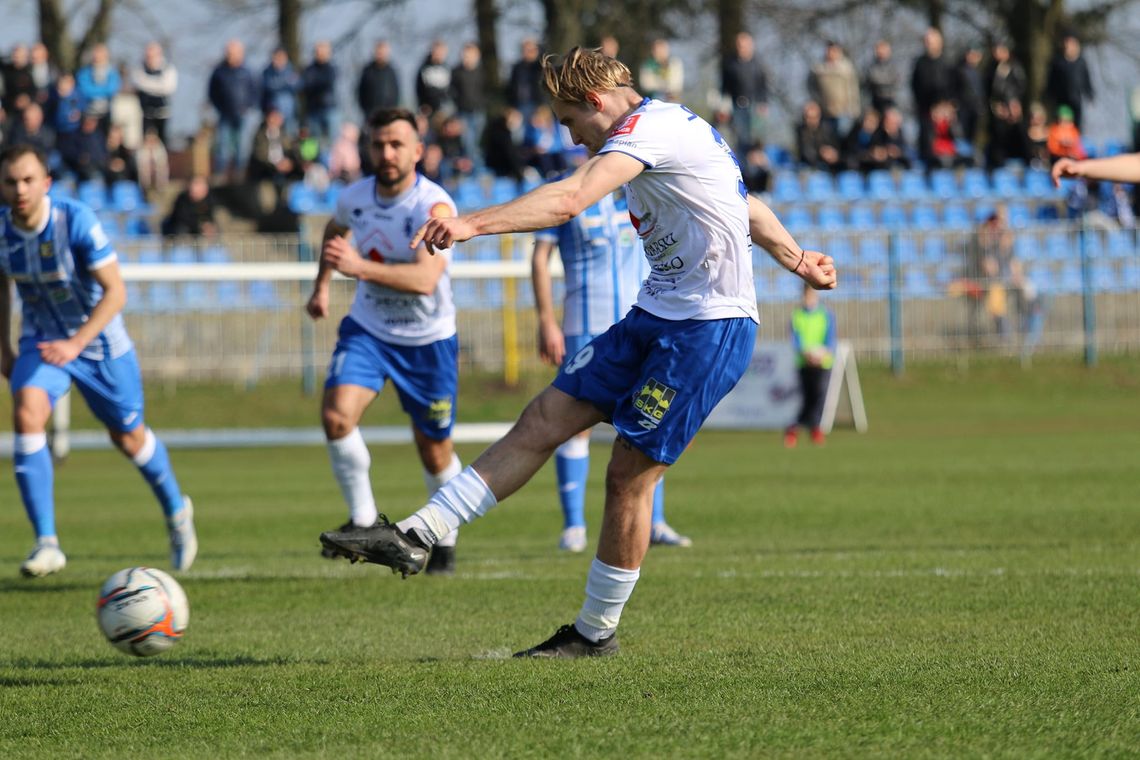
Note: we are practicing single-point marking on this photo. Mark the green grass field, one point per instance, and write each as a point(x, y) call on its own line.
point(962, 581)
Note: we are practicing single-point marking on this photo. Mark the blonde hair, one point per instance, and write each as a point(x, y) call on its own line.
point(580, 71)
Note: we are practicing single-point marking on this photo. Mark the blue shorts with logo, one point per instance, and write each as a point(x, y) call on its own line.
point(426, 377)
point(657, 380)
point(112, 388)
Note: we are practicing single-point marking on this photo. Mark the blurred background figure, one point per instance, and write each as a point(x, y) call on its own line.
point(155, 81)
point(814, 340)
point(662, 75)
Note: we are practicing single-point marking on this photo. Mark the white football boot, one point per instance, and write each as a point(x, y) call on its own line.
point(664, 535)
point(573, 540)
point(183, 539)
point(45, 559)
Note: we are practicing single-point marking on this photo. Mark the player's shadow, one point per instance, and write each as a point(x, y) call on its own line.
point(32, 586)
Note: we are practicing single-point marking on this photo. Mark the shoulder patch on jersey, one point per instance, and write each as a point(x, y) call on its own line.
point(627, 126)
point(440, 211)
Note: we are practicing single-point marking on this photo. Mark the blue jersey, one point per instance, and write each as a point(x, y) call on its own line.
point(604, 265)
point(52, 270)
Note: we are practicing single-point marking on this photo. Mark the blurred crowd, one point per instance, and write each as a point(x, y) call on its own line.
point(109, 121)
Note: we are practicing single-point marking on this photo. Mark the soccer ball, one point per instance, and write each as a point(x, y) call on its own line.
point(142, 611)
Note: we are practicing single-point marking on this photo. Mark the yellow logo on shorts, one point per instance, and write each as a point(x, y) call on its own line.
point(439, 412)
point(653, 399)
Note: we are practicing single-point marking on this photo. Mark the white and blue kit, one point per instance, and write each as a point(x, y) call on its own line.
point(696, 311)
point(52, 269)
point(408, 338)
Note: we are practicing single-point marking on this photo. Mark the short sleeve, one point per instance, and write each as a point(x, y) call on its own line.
point(636, 138)
point(89, 242)
point(343, 215)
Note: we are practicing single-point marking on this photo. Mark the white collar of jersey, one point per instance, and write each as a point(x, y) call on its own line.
point(395, 200)
point(30, 234)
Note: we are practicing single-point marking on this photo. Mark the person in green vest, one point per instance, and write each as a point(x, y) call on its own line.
point(813, 337)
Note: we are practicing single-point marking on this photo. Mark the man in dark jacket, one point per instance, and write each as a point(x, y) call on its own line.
point(433, 82)
point(467, 92)
point(524, 88)
point(318, 86)
point(379, 86)
point(232, 94)
point(931, 81)
point(745, 84)
point(155, 81)
point(1069, 83)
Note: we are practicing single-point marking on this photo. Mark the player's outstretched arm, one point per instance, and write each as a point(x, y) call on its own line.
point(548, 205)
point(1122, 168)
point(813, 267)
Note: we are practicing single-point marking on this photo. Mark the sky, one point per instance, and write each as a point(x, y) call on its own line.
point(194, 32)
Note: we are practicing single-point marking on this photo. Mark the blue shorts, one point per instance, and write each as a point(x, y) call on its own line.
point(112, 388)
point(656, 380)
point(574, 344)
point(426, 377)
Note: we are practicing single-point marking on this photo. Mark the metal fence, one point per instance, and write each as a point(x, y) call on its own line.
point(232, 309)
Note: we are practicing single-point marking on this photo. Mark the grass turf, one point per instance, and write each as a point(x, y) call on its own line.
point(961, 581)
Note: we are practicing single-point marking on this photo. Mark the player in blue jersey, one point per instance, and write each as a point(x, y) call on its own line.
point(656, 374)
point(604, 268)
point(67, 276)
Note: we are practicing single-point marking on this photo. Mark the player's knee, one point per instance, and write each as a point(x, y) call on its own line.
point(130, 442)
point(336, 423)
point(30, 417)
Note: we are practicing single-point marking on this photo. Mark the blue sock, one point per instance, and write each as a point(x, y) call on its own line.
point(34, 476)
point(154, 464)
point(572, 473)
point(659, 502)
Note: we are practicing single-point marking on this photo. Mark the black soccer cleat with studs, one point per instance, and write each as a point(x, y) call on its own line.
point(567, 643)
point(381, 544)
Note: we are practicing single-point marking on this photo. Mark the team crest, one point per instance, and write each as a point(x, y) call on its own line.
point(653, 401)
point(46, 251)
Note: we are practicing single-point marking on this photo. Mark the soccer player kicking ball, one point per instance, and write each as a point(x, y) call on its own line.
point(67, 275)
point(657, 373)
point(401, 326)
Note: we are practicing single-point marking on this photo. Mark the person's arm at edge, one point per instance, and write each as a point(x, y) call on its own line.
point(1122, 168)
point(812, 266)
point(318, 303)
point(541, 280)
point(548, 205)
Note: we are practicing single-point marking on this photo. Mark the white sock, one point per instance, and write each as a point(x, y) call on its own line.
point(459, 501)
point(607, 590)
point(350, 464)
point(435, 482)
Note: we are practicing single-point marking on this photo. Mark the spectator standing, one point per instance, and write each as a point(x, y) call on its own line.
point(318, 86)
point(1069, 83)
point(279, 85)
point(467, 92)
point(43, 73)
point(970, 92)
point(19, 83)
point(153, 164)
point(433, 82)
point(502, 145)
point(155, 81)
point(1006, 79)
point(814, 341)
point(1008, 138)
point(232, 93)
point(931, 82)
point(274, 157)
point(379, 86)
point(127, 113)
point(834, 84)
point(84, 152)
point(121, 166)
point(65, 106)
point(745, 83)
point(524, 86)
point(31, 130)
point(881, 81)
point(662, 75)
point(98, 82)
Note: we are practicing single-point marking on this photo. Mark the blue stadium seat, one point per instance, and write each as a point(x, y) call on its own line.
point(982, 212)
point(1047, 212)
point(138, 226)
point(850, 185)
point(1027, 248)
point(126, 196)
point(1038, 184)
point(839, 248)
point(943, 184)
point(831, 218)
point(975, 184)
point(881, 185)
point(797, 218)
point(303, 199)
point(216, 254)
point(1121, 244)
point(892, 215)
point(916, 284)
point(786, 187)
point(181, 254)
point(906, 248)
point(92, 193)
point(1005, 183)
point(913, 185)
point(1068, 278)
point(263, 294)
point(924, 217)
point(862, 215)
point(150, 256)
point(1019, 215)
point(955, 215)
point(503, 189)
point(330, 195)
point(469, 194)
point(873, 250)
point(934, 249)
point(1104, 277)
point(111, 226)
point(1058, 247)
point(227, 296)
point(1130, 275)
point(819, 187)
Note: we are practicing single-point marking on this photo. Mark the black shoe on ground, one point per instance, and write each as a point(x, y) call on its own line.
point(346, 528)
point(381, 544)
point(567, 643)
point(442, 561)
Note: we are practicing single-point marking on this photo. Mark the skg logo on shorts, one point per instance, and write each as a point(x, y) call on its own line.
point(653, 401)
point(439, 412)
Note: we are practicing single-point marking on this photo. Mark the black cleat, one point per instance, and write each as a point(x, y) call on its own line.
point(348, 527)
point(381, 544)
point(442, 561)
point(567, 643)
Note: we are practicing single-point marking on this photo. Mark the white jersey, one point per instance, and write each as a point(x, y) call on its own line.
point(381, 230)
point(690, 208)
